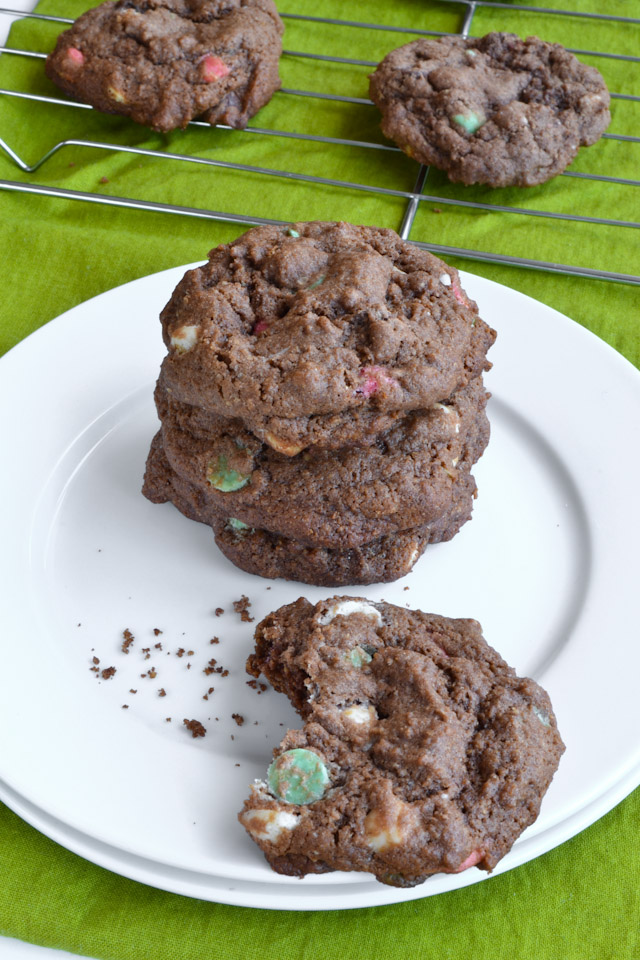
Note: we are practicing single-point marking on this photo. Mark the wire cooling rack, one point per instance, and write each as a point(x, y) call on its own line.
point(416, 197)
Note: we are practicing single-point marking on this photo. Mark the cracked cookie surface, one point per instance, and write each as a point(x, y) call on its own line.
point(289, 325)
point(325, 497)
point(421, 752)
point(271, 555)
point(166, 62)
point(495, 110)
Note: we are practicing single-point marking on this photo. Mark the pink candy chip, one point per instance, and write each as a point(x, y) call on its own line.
point(213, 69)
point(459, 295)
point(471, 861)
point(260, 326)
point(76, 56)
point(373, 377)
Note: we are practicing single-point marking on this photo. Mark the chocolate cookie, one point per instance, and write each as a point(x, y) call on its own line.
point(496, 109)
point(348, 496)
point(164, 62)
point(421, 752)
point(271, 555)
point(379, 561)
point(315, 320)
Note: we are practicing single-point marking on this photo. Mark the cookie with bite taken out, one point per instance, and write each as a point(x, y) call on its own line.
point(421, 750)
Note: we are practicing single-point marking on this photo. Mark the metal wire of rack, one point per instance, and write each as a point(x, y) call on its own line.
point(413, 197)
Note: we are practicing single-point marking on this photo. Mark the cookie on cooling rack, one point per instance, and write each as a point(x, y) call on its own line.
point(495, 110)
point(165, 62)
point(317, 320)
point(421, 752)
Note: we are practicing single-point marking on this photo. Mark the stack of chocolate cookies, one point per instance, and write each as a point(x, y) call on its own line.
point(321, 402)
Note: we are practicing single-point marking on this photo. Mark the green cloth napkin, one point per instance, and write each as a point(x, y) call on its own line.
point(581, 900)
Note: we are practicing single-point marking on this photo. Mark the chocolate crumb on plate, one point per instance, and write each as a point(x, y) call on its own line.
point(195, 728)
point(241, 606)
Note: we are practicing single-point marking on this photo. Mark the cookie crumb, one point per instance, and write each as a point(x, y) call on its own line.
point(214, 640)
point(156, 632)
point(133, 691)
point(104, 179)
point(241, 606)
point(167, 719)
point(162, 692)
point(125, 706)
point(195, 728)
point(128, 640)
point(180, 652)
point(219, 611)
point(107, 673)
point(239, 719)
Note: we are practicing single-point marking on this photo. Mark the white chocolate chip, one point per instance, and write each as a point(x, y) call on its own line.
point(282, 446)
point(389, 827)
point(414, 556)
point(445, 279)
point(347, 607)
point(184, 338)
point(116, 95)
point(450, 410)
point(454, 462)
point(269, 824)
point(360, 715)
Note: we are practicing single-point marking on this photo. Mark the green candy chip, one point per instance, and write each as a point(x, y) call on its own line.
point(298, 776)
point(358, 657)
point(220, 476)
point(238, 527)
point(470, 122)
point(542, 716)
point(237, 524)
point(293, 233)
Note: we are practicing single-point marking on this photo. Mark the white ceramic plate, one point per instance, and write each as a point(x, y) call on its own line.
point(548, 565)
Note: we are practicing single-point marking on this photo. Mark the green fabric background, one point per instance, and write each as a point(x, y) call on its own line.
point(581, 900)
